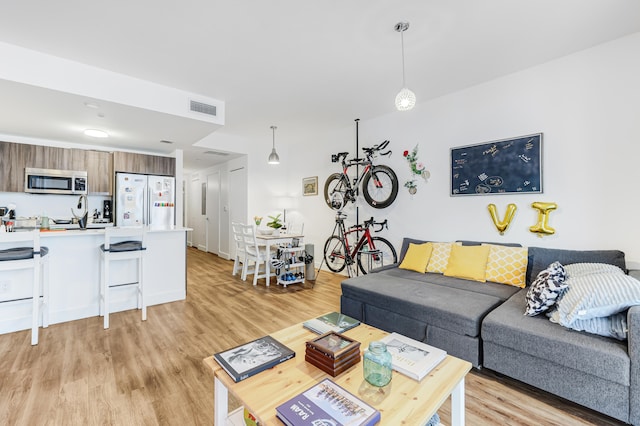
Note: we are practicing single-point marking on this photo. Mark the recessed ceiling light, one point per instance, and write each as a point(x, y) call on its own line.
point(90, 105)
point(95, 133)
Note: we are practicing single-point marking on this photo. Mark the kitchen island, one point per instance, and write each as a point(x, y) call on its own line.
point(74, 277)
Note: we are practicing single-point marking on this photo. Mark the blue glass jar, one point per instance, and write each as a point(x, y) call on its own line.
point(377, 364)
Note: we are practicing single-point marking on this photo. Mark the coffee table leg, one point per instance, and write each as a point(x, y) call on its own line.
point(220, 403)
point(457, 404)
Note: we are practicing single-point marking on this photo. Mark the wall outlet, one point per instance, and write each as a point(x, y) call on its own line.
point(5, 286)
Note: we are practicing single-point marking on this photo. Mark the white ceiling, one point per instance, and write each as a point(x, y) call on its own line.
point(300, 65)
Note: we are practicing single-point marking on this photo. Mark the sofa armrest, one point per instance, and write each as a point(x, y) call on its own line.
point(633, 321)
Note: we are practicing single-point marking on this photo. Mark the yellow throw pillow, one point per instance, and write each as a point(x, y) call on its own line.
point(507, 265)
point(439, 257)
point(417, 257)
point(468, 262)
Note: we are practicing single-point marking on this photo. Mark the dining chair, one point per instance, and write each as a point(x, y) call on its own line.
point(240, 257)
point(254, 253)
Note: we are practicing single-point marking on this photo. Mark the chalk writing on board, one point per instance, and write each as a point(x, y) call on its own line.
point(500, 167)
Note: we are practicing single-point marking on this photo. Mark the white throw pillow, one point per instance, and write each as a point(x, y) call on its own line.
point(580, 269)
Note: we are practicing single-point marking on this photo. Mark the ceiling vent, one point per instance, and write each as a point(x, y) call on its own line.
point(224, 154)
point(202, 108)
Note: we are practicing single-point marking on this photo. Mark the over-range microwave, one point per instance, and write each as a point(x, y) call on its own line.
point(50, 181)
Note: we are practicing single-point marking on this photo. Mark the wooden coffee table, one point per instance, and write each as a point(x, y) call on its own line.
point(405, 401)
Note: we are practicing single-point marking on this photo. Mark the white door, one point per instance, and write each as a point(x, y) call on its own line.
point(238, 204)
point(196, 217)
point(213, 212)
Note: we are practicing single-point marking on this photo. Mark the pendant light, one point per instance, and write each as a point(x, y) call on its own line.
point(406, 99)
point(273, 157)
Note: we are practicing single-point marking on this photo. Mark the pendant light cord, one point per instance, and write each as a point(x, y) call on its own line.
point(404, 84)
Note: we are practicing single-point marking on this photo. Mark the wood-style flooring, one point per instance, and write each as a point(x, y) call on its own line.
point(148, 373)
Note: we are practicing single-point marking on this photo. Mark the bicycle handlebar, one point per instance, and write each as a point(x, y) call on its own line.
point(336, 158)
point(370, 223)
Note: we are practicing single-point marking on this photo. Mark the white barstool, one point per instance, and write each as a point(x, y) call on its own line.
point(21, 250)
point(124, 243)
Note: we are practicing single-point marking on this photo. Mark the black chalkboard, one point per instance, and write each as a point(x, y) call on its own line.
point(499, 167)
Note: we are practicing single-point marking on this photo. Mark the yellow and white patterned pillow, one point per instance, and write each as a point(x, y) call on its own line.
point(439, 257)
point(507, 265)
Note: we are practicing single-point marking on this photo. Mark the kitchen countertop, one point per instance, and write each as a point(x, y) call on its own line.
point(100, 231)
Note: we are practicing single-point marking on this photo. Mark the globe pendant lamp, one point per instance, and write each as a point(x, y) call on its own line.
point(273, 157)
point(406, 99)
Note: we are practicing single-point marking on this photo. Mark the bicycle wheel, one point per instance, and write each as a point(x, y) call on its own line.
point(381, 254)
point(335, 190)
point(335, 253)
point(380, 187)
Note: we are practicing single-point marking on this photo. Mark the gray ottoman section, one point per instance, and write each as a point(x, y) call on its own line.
point(590, 370)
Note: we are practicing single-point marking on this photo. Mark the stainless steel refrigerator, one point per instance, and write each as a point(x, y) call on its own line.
point(145, 200)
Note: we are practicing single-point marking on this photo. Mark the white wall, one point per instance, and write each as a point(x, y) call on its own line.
point(585, 104)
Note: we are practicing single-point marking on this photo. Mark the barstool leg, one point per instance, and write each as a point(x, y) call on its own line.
point(143, 302)
point(45, 293)
point(105, 292)
point(36, 300)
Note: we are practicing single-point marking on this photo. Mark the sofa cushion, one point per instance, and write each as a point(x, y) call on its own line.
point(537, 336)
point(540, 258)
point(545, 290)
point(507, 265)
point(452, 309)
point(439, 257)
point(501, 291)
point(417, 257)
point(468, 262)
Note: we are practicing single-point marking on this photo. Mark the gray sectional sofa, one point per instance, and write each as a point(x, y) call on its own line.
point(484, 323)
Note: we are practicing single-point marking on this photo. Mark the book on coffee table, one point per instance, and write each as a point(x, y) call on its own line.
point(251, 358)
point(326, 403)
point(334, 321)
point(412, 358)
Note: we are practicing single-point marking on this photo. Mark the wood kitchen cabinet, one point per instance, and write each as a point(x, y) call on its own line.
point(99, 166)
point(15, 157)
point(141, 163)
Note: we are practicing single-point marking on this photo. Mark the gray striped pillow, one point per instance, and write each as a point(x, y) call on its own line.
point(597, 295)
point(612, 326)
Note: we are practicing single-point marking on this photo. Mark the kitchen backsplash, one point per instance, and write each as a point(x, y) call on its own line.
point(54, 206)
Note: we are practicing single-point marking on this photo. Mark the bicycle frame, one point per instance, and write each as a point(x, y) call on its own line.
point(364, 239)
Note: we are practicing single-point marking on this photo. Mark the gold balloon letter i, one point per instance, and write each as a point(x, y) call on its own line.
point(502, 225)
point(542, 227)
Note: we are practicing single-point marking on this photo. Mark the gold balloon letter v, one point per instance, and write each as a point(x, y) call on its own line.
point(502, 225)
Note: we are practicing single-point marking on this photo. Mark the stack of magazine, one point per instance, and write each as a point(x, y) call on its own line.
point(333, 321)
point(326, 403)
point(251, 358)
point(412, 358)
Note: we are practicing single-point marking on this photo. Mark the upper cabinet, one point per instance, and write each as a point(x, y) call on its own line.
point(141, 163)
point(100, 165)
point(15, 157)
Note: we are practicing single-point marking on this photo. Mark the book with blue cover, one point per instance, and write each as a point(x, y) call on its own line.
point(251, 358)
point(326, 403)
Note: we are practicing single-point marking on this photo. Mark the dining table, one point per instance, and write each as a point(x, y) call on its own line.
point(275, 240)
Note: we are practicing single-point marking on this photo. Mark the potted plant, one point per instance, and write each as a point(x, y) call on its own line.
point(275, 223)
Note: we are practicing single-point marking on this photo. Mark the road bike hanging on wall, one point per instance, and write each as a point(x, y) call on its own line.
point(379, 182)
point(342, 250)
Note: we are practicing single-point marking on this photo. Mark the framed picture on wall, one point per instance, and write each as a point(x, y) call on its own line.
point(310, 186)
point(508, 166)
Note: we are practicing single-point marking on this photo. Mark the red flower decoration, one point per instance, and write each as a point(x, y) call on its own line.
point(405, 153)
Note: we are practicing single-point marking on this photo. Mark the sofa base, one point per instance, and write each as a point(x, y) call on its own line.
point(590, 391)
point(460, 346)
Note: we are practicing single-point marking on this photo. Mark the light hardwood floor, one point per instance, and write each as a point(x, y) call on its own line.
point(151, 372)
